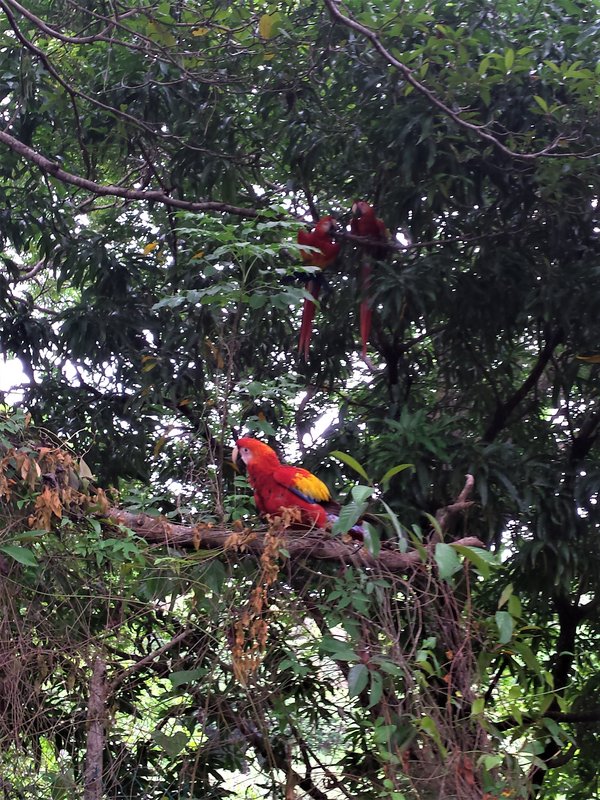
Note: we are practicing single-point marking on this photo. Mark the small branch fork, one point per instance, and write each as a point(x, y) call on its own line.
point(445, 515)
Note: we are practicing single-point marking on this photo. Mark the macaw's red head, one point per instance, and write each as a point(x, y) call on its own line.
point(360, 208)
point(252, 450)
point(326, 225)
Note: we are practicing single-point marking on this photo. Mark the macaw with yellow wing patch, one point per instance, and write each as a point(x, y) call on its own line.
point(278, 485)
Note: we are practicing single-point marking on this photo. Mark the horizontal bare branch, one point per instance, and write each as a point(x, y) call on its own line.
point(315, 544)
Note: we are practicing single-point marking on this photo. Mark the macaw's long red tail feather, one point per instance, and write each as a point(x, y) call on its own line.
point(366, 311)
point(308, 315)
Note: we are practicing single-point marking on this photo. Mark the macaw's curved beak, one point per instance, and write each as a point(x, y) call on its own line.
point(237, 461)
point(356, 212)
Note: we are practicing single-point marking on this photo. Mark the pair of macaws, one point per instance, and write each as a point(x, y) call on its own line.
point(322, 237)
point(277, 486)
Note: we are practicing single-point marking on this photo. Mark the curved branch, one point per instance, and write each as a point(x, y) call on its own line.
point(504, 410)
point(479, 130)
point(445, 515)
point(154, 196)
point(56, 34)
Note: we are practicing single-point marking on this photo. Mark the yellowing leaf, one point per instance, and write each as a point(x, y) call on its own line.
point(159, 445)
point(200, 31)
point(84, 470)
point(199, 254)
point(149, 248)
point(595, 359)
point(161, 33)
point(268, 56)
point(267, 26)
point(216, 353)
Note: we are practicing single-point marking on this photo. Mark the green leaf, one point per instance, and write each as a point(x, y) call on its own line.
point(358, 677)
point(394, 471)
point(351, 462)
point(509, 59)
point(491, 762)
point(506, 593)
point(376, 691)
point(172, 745)
point(268, 25)
point(484, 65)
point(418, 545)
point(403, 542)
point(434, 524)
point(372, 540)
point(477, 706)
point(339, 651)
point(428, 726)
point(361, 493)
point(556, 731)
point(186, 676)
point(541, 102)
point(481, 559)
point(215, 575)
point(348, 516)
point(21, 554)
point(447, 560)
point(514, 607)
point(505, 625)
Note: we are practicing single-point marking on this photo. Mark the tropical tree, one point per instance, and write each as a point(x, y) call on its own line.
point(158, 161)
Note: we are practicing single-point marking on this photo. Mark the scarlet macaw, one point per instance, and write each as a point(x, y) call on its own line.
point(278, 485)
point(327, 251)
point(365, 223)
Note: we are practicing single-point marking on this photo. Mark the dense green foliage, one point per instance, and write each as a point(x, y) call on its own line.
point(156, 163)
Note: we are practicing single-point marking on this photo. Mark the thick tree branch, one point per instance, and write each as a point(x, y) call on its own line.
point(96, 722)
point(569, 618)
point(299, 544)
point(446, 515)
point(55, 170)
point(504, 410)
point(587, 437)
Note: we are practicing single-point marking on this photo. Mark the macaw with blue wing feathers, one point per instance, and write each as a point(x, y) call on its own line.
point(277, 486)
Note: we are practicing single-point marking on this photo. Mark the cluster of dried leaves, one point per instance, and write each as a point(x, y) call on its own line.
point(60, 479)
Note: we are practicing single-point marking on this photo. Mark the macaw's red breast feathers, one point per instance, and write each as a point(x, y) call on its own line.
point(278, 485)
point(366, 223)
point(321, 238)
point(325, 253)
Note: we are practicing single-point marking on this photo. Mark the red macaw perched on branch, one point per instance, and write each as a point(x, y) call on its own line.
point(278, 485)
point(327, 250)
point(365, 223)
